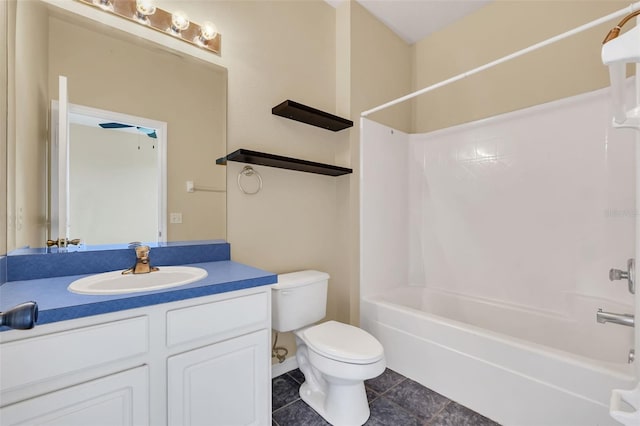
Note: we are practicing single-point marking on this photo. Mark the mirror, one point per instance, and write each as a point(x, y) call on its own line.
point(108, 69)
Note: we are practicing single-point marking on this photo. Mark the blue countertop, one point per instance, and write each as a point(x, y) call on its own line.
point(43, 276)
point(56, 303)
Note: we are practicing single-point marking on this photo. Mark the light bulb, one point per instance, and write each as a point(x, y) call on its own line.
point(179, 22)
point(208, 31)
point(144, 8)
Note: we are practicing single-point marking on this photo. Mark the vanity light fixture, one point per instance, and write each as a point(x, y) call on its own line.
point(177, 24)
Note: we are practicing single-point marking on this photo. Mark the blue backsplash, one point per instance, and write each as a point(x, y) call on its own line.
point(29, 264)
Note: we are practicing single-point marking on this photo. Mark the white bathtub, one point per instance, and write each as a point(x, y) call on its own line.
point(515, 365)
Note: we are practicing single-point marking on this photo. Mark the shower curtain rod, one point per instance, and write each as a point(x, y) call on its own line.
point(629, 9)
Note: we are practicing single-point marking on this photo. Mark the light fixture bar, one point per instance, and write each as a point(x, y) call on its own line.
point(160, 21)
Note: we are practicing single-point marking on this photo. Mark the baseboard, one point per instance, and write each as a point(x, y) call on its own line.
point(279, 369)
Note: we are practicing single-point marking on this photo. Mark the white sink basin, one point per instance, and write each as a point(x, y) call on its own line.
point(116, 283)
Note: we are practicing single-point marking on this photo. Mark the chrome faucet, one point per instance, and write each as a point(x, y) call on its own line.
point(622, 319)
point(142, 265)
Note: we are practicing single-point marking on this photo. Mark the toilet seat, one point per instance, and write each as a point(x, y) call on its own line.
point(343, 342)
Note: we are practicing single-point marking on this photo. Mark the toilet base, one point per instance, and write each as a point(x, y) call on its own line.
point(346, 405)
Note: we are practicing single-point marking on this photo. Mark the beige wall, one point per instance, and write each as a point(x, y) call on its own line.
point(567, 68)
point(378, 68)
point(27, 142)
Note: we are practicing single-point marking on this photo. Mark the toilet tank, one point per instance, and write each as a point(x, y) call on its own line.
point(298, 299)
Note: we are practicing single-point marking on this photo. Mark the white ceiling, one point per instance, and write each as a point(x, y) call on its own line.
point(413, 20)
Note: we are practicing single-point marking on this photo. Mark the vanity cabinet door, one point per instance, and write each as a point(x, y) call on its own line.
point(118, 399)
point(224, 384)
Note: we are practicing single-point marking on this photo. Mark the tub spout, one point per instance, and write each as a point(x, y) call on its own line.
point(622, 319)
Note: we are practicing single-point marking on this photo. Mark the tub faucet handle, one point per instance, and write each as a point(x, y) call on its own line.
point(617, 274)
point(629, 275)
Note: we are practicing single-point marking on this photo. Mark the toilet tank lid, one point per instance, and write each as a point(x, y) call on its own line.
point(293, 279)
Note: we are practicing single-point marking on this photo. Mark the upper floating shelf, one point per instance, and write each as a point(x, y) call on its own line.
point(271, 160)
point(308, 115)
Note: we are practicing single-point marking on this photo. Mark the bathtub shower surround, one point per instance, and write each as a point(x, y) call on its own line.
point(526, 199)
point(494, 259)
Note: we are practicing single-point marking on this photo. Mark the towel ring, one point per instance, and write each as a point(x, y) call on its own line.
point(248, 171)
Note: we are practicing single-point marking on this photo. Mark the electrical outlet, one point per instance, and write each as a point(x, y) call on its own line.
point(175, 217)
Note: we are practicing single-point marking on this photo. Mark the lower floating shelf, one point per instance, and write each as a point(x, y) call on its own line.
point(271, 160)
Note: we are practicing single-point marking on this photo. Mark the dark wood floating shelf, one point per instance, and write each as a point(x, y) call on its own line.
point(271, 160)
point(308, 115)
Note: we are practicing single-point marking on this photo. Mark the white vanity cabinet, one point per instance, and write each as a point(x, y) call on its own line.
point(217, 384)
point(116, 400)
point(201, 361)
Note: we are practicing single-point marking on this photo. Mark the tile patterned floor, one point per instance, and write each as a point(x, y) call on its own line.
point(394, 400)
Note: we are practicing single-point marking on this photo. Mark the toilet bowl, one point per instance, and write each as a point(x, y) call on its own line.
point(335, 358)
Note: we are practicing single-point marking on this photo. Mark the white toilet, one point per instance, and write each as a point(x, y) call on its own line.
point(335, 358)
